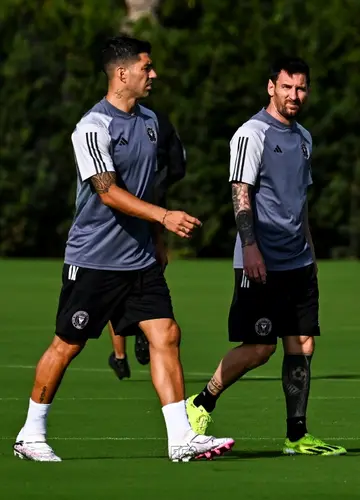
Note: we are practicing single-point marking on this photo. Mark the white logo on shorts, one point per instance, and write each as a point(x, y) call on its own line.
point(263, 327)
point(80, 319)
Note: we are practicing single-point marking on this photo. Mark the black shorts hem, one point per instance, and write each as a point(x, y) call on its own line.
point(252, 340)
point(74, 337)
point(315, 333)
point(131, 327)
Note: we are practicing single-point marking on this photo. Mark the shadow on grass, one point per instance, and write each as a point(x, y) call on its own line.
point(116, 457)
point(203, 380)
point(354, 376)
point(354, 451)
point(251, 454)
point(232, 456)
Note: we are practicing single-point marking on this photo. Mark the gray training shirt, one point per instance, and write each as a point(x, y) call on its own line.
point(275, 159)
point(109, 140)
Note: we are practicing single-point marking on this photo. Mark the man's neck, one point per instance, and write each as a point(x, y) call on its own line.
point(275, 114)
point(121, 102)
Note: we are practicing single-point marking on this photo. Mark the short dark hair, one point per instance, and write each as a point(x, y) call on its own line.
point(290, 65)
point(122, 49)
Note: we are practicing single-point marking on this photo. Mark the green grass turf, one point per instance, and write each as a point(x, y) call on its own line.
point(111, 433)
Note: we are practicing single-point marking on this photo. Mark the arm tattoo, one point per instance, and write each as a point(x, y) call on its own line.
point(243, 213)
point(215, 387)
point(102, 182)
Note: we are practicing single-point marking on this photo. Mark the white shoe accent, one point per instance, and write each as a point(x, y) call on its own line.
point(199, 446)
point(289, 451)
point(38, 451)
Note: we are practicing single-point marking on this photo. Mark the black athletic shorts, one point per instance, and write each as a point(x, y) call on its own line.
point(287, 305)
point(90, 298)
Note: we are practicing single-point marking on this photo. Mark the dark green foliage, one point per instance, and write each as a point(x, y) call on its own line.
point(212, 59)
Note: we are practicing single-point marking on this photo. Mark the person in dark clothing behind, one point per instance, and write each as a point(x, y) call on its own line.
point(171, 169)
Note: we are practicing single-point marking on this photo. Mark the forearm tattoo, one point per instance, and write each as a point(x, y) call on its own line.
point(103, 181)
point(243, 213)
point(215, 386)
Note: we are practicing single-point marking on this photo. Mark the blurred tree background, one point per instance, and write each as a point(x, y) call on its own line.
point(212, 58)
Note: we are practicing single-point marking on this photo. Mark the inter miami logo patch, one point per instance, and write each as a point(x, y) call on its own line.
point(305, 151)
point(263, 327)
point(151, 134)
point(80, 319)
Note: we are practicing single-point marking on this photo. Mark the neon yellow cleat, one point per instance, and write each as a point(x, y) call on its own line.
point(198, 417)
point(310, 445)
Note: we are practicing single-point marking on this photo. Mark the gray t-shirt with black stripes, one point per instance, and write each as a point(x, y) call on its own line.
point(276, 160)
point(109, 140)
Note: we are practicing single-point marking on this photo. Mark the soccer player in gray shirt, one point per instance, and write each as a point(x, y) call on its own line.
point(276, 288)
point(111, 272)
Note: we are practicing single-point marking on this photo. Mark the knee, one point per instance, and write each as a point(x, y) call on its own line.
point(300, 345)
point(66, 349)
point(258, 354)
point(263, 353)
point(167, 339)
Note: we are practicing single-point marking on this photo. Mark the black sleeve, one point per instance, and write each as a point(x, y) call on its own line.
point(176, 158)
point(171, 152)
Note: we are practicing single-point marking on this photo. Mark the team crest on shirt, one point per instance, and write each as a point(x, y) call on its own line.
point(305, 151)
point(80, 319)
point(151, 134)
point(263, 327)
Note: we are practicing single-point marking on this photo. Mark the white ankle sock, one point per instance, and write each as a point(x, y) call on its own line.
point(35, 425)
point(177, 423)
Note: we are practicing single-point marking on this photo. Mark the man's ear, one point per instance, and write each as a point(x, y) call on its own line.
point(271, 88)
point(121, 73)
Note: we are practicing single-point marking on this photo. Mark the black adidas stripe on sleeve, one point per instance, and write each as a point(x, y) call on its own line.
point(240, 159)
point(94, 151)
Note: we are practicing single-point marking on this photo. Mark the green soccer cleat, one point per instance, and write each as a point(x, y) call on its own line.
point(198, 417)
point(310, 445)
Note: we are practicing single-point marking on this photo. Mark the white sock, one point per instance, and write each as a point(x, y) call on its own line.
point(35, 425)
point(177, 423)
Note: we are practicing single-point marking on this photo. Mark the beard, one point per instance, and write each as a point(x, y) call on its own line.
point(289, 113)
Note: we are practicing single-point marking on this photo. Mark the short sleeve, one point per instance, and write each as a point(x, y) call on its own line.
point(246, 149)
point(92, 150)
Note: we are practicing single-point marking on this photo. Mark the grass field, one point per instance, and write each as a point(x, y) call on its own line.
point(111, 434)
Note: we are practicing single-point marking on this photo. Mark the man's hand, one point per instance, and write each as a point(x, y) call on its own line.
point(254, 266)
point(180, 223)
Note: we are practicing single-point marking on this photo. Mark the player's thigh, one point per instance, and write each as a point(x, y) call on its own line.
point(87, 300)
point(253, 318)
point(149, 300)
